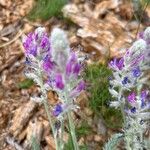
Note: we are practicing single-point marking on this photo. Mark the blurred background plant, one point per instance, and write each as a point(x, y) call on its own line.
point(45, 9)
point(98, 77)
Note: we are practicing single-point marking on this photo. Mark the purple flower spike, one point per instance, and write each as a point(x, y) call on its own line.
point(136, 72)
point(57, 110)
point(59, 82)
point(131, 97)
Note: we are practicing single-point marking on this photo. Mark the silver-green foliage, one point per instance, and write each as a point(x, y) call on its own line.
point(113, 141)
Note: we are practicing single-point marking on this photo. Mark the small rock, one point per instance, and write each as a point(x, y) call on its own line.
point(97, 138)
point(81, 141)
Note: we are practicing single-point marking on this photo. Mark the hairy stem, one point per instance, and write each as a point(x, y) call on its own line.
point(44, 96)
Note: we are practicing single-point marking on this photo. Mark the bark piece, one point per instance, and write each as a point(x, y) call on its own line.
point(21, 117)
point(50, 142)
point(35, 129)
point(104, 35)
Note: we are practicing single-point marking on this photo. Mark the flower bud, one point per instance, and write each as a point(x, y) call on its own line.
point(60, 47)
point(59, 41)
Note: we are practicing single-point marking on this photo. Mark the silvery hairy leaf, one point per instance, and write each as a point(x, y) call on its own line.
point(113, 92)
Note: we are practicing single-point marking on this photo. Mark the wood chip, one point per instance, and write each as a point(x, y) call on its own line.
point(51, 143)
point(21, 117)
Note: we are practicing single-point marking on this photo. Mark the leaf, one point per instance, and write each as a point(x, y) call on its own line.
point(113, 141)
point(113, 92)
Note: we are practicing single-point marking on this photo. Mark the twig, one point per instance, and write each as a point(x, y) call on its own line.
point(11, 141)
point(20, 32)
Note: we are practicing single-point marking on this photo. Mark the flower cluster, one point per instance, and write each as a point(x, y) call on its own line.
point(127, 88)
point(60, 68)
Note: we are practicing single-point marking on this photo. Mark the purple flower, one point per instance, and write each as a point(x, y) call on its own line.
point(125, 80)
point(136, 72)
point(133, 110)
point(59, 81)
point(131, 97)
point(76, 68)
point(47, 64)
point(45, 43)
point(81, 86)
point(36, 43)
point(144, 94)
point(30, 47)
point(117, 63)
point(77, 90)
point(141, 35)
point(70, 64)
point(57, 110)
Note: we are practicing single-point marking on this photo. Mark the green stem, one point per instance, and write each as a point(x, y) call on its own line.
point(72, 130)
point(61, 136)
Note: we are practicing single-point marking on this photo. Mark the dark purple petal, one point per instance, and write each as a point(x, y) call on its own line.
point(120, 63)
point(81, 86)
point(117, 63)
point(57, 110)
point(136, 72)
point(59, 81)
point(68, 68)
point(72, 66)
point(45, 42)
point(47, 64)
point(125, 80)
point(144, 94)
point(133, 110)
point(76, 68)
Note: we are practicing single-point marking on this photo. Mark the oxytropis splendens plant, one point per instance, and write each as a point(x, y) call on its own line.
point(131, 93)
point(53, 66)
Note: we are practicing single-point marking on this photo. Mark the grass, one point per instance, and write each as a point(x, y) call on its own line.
point(45, 9)
point(97, 76)
point(25, 84)
point(83, 130)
